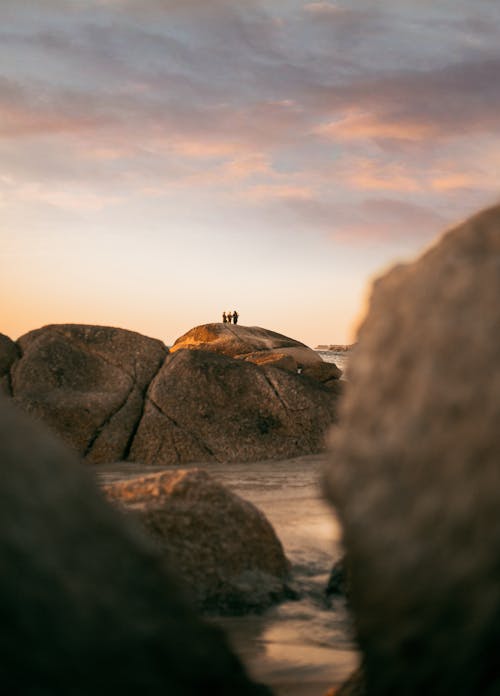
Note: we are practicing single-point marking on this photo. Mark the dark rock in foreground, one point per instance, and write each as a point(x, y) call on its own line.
point(9, 353)
point(337, 585)
point(416, 471)
point(222, 546)
point(87, 607)
point(207, 407)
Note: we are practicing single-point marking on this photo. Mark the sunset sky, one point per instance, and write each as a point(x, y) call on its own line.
point(164, 160)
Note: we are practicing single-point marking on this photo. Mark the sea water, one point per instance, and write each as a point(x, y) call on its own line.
point(340, 358)
point(303, 646)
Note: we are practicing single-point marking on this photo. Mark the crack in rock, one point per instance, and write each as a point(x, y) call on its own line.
point(100, 428)
point(183, 429)
point(144, 399)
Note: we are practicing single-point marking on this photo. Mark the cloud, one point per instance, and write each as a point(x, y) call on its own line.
point(282, 105)
point(373, 175)
point(323, 8)
point(358, 125)
point(426, 106)
point(264, 192)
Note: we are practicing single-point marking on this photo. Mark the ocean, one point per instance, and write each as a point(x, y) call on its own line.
point(340, 358)
point(304, 646)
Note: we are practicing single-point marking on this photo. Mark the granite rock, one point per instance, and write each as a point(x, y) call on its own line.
point(254, 344)
point(9, 353)
point(88, 384)
point(224, 549)
point(415, 471)
point(87, 605)
point(203, 406)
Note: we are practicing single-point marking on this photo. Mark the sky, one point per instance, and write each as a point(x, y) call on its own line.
point(164, 160)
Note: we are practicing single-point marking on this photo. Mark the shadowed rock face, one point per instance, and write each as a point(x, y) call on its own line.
point(87, 383)
point(9, 353)
point(187, 514)
point(415, 474)
point(87, 607)
point(202, 406)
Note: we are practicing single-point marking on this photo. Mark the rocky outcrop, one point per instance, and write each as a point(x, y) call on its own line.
point(87, 606)
point(88, 384)
point(415, 472)
point(115, 395)
point(9, 353)
point(208, 407)
point(232, 569)
point(259, 346)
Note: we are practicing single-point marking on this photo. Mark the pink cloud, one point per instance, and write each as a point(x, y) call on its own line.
point(373, 175)
point(357, 124)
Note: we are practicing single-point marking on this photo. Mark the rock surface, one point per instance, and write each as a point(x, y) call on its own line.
point(115, 395)
point(9, 353)
point(337, 585)
point(257, 345)
point(87, 607)
point(222, 546)
point(415, 474)
point(88, 384)
point(208, 407)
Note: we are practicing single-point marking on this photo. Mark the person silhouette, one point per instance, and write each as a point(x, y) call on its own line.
point(235, 316)
point(224, 318)
point(229, 317)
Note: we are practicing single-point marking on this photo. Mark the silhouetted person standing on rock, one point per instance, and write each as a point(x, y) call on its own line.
point(224, 318)
point(235, 316)
point(229, 317)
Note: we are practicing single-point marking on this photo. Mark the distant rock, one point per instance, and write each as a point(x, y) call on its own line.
point(415, 473)
point(222, 546)
point(323, 372)
point(87, 606)
point(336, 347)
point(208, 407)
point(254, 344)
point(88, 384)
point(9, 353)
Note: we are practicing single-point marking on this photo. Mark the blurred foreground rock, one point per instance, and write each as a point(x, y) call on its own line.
point(9, 353)
point(87, 607)
point(338, 585)
point(415, 473)
point(222, 546)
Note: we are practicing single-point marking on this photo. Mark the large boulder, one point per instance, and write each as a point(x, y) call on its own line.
point(9, 353)
point(87, 606)
point(208, 407)
point(415, 473)
point(115, 395)
point(88, 384)
point(226, 569)
point(259, 346)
